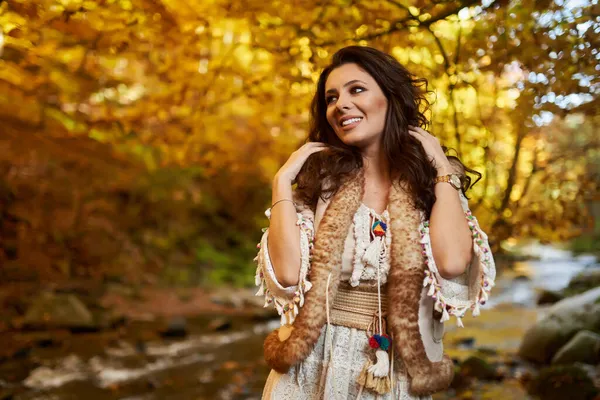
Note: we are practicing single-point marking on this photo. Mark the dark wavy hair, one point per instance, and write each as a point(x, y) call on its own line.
point(407, 104)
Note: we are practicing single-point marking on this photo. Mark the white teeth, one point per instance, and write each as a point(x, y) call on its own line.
point(350, 121)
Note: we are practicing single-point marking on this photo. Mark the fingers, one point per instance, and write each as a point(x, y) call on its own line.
point(418, 130)
point(421, 133)
point(313, 147)
point(416, 134)
point(316, 144)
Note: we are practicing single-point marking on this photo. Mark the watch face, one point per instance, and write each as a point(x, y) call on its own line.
point(455, 181)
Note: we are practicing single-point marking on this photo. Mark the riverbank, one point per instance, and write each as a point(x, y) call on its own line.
point(191, 344)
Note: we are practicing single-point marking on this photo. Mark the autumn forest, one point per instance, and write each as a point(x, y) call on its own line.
point(139, 140)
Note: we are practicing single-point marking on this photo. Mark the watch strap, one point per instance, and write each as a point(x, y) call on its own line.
point(446, 178)
point(442, 178)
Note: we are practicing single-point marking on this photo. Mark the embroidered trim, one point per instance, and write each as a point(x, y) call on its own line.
point(452, 306)
point(362, 236)
point(286, 307)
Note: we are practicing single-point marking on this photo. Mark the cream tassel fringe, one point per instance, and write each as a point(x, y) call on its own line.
point(380, 385)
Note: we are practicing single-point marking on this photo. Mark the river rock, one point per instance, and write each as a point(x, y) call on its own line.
point(50, 310)
point(584, 347)
point(229, 298)
point(220, 324)
point(176, 328)
point(477, 367)
point(465, 343)
point(563, 382)
point(549, 297)
point(583, 281)
point(563, 320)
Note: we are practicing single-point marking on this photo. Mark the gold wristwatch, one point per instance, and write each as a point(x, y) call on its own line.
point(453, 179)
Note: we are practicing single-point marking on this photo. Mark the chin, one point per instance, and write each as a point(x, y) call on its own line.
point(355, 139)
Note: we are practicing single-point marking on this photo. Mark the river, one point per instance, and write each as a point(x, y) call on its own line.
point(228, 364)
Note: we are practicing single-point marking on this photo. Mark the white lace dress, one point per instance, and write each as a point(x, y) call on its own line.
point(315, 378)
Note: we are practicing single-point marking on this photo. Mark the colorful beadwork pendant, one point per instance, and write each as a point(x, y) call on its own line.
point(379, 228)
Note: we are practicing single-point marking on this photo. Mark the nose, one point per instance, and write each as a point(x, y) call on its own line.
point(343, 103)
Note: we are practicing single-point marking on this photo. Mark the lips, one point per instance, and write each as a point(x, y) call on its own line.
point(349, 122)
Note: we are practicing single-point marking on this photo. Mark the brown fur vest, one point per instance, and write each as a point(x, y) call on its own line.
point(405, 283)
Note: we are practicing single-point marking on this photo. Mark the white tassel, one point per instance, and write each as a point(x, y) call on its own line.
point(445, 315)
point(371, 256)
point(355, 278)
point(426, 281)
point(484, 295)
point(438, 305)
point(382, 367)
point(307, 286)
point(257, 278)
point(476, 309)
point(261, 290)
point(278, 307)
point(431, 290)
point(459, 322)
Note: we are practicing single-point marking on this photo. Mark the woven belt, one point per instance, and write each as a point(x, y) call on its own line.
point(355, 307)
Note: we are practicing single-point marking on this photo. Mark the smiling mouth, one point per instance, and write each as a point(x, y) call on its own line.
point(350, 123)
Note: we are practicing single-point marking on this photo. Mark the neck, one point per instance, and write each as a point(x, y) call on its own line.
point(376, 166)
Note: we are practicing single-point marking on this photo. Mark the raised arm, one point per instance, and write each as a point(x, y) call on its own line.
point(284, 251)
point(284, 245)
point(284, 234)
point(450, 235)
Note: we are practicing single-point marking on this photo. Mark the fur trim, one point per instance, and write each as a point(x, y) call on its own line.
point(405, 283)
point(404, 294)
point(327, 254)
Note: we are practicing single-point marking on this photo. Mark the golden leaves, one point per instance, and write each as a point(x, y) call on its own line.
point(203, 81)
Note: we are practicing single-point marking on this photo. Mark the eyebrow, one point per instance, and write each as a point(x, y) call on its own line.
point(345, 85)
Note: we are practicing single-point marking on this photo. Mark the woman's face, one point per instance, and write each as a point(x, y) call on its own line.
point(356, 106)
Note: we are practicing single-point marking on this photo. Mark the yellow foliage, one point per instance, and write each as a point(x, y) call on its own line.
point(211, 83)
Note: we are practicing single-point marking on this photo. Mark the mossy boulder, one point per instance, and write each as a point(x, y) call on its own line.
point(477, 367)
point(57, 310)
point(584, 347)
point(563, 320)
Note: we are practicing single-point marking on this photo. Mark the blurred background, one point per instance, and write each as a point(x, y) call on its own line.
point(138, 140)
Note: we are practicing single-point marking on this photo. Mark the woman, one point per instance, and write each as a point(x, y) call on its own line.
point(375, 249)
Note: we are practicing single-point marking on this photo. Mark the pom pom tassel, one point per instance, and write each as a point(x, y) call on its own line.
point(377, 376)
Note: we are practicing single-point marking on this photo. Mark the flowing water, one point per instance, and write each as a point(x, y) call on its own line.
point(229, 365)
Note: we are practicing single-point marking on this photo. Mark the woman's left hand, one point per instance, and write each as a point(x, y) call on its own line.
point(432, 147)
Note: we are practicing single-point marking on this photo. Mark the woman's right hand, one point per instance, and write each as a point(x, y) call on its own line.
point(293, 165)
